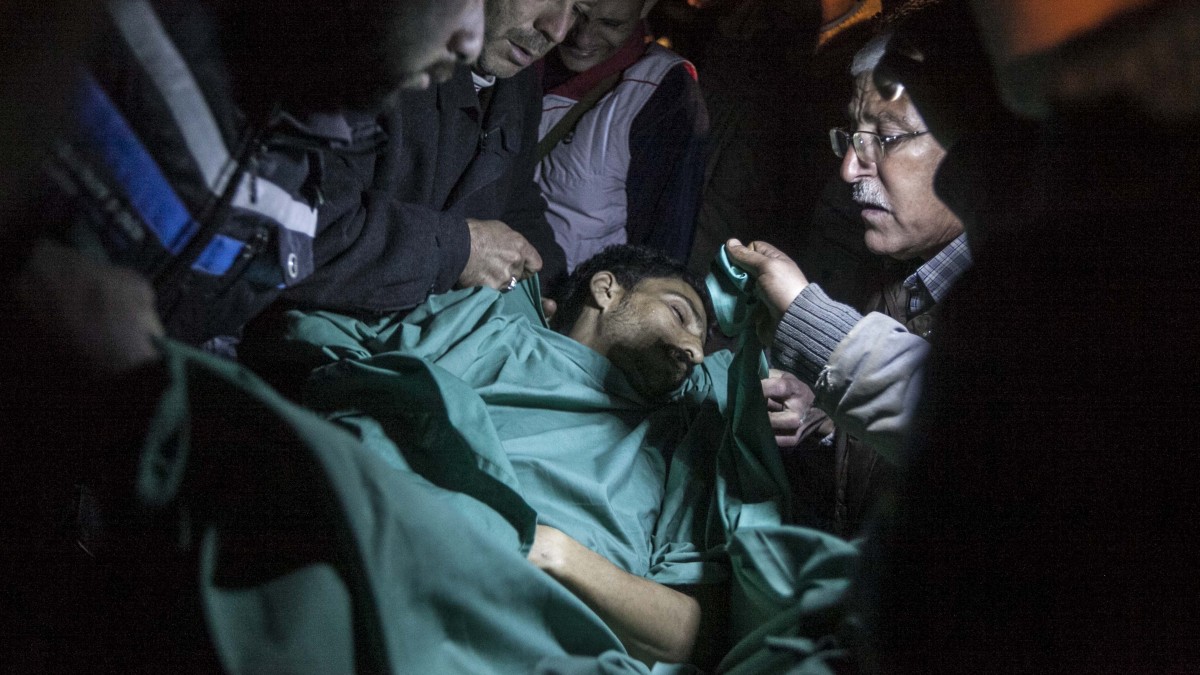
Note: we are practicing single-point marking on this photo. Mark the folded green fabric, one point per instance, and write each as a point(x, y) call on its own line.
point(547, 419)
point(732, 292)
point(655, 488)
point(483, 399)
point(319, 550)
point(318, 554)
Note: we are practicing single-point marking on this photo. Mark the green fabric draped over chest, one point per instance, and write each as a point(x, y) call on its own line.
point(400, 547)
point(317, 553)
point(482, 398)
point(474, 393)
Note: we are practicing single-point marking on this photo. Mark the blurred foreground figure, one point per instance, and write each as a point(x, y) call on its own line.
point(207, 135)
point(1048, 519)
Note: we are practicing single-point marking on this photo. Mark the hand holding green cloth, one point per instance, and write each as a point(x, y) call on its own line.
point(655, 488)
point(666, 491)
point(307, 549)
point(790, 584)
point(732, 291)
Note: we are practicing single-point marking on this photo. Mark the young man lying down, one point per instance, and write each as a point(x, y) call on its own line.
point(609, 443)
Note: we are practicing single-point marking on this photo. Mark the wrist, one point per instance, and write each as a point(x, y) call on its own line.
point(552, 551)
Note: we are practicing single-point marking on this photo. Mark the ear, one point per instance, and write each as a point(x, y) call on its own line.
point(648, 5)
point(605, 289)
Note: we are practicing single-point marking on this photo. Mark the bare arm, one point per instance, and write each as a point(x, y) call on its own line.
point(654, 622)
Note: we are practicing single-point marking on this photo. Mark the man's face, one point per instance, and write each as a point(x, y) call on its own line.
point(600, 33)
point(655, 334)
point(904, 218)
point(519, 32)
point(430, 37)
point(355, 54)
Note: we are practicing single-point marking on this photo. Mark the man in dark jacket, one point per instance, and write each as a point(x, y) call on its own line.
point(205, 131)
point(155, 171)
point(452, 202)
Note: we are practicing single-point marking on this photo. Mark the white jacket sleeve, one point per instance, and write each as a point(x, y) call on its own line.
point(866, 372)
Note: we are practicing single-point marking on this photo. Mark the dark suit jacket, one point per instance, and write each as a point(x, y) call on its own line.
point(387, 246)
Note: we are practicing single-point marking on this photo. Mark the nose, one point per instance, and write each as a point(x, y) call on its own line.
point(556, 21)
point(691, 350)
point(467, 40)
point(465, 45)
point(853, 169)
point(579, 35)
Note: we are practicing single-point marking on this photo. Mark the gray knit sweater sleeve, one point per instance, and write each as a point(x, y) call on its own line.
point(809, 331)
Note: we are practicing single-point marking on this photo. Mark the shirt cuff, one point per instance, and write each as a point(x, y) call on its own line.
point(453, 242)
point(809, 331)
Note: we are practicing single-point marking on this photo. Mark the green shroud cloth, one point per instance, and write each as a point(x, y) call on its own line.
point(546, 430)
point(317, 553)
point(308, 549)
point(529, 426)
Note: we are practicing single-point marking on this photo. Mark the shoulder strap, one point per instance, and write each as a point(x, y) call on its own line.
point(568, 121)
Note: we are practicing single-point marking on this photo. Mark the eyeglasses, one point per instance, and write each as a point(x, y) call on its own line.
point(868, 145)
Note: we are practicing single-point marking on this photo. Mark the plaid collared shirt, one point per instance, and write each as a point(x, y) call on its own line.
point(930, 283)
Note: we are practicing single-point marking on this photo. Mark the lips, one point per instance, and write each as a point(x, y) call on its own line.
point(520, 55)
point(578, 53)
point(442, 71)
point(870, 212)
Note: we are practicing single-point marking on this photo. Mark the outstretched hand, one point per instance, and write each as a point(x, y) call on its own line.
point(778, 278)
point(653, 621)
point(100, 316)
point(498, 254)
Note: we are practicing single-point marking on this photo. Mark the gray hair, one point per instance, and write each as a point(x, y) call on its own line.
point(869, 56)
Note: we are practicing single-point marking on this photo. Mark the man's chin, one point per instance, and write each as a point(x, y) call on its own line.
point(661, 389)
point(428, 76)
point(577, 65)
point(489, 65)
point(891, 251)
point(878, 244)
point(416, 82)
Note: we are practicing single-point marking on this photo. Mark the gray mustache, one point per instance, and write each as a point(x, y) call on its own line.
point(868, 192)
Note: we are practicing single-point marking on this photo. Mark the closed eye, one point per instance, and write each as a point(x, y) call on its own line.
point(678, 314)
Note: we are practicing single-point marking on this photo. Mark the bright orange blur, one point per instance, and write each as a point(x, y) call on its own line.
point(1015, 28)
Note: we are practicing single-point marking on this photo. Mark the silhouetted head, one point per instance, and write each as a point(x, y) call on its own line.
point(311, 55)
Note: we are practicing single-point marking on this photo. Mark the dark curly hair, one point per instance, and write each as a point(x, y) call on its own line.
point(630, 265)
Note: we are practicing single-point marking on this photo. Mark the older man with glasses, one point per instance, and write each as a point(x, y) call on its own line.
point(865, 371)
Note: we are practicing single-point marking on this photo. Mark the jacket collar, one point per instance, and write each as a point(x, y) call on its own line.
point(458, 93)
point(942, 270)
point(578, 86)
